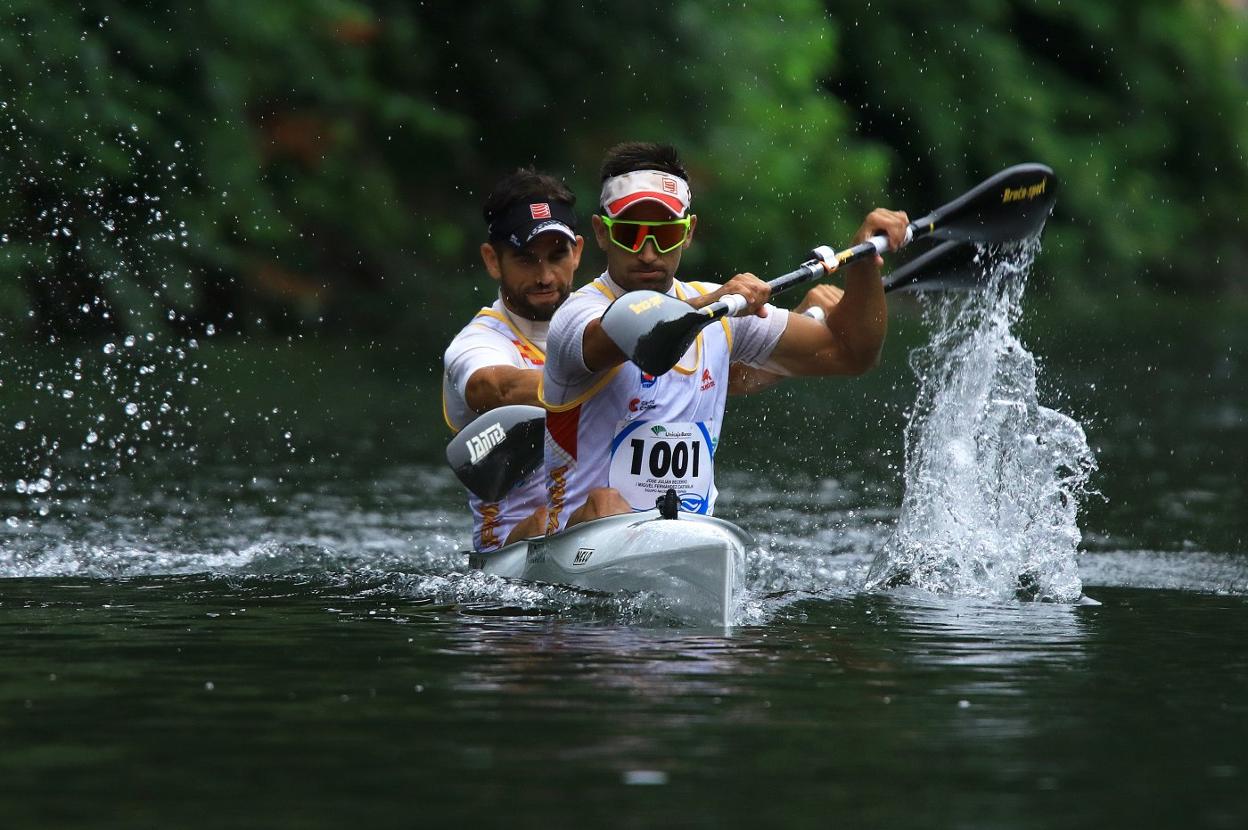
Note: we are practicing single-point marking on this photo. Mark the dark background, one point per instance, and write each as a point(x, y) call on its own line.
point(316, 167)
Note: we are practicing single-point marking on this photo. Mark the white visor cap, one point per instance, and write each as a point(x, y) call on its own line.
point(627, 189)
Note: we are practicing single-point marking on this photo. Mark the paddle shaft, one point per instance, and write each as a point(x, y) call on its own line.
point(825, 262)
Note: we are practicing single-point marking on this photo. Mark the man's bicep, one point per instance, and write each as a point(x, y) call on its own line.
point(464, 360)
point(746, 380)
point(598, 350)
point(754, 339)
point(808, 347)
point(575, 345)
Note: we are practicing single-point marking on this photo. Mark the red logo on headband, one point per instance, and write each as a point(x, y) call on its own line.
point(540, 211)
point(669, 185)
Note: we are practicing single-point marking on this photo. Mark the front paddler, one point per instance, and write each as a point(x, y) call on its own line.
point(532, 252)
point(617, 438)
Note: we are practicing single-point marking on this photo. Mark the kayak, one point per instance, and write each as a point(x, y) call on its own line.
point(696, 563)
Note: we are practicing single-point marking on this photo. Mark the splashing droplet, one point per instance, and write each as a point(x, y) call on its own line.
point(993, 478)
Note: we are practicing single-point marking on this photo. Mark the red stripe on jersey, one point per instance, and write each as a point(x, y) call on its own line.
point(562, 427)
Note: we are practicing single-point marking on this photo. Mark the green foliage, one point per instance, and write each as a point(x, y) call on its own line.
point(1142, 108)
point(321, 163)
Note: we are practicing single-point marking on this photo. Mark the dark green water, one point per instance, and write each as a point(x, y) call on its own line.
point(240, 628)
point(205, 702)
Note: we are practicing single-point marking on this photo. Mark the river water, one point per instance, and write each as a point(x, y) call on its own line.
point(254, 612)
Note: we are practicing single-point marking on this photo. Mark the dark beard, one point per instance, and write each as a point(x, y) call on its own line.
point(521, 307)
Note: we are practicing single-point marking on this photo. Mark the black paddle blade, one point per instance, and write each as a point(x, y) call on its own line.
point(498, 450)
point(950, 266)
point(1009, 206)
point(653, 329)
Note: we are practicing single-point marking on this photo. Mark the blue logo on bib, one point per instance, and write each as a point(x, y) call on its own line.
point(692, 503)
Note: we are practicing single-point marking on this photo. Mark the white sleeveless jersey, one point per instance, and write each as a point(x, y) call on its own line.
point(495, 337)
point(635, 432)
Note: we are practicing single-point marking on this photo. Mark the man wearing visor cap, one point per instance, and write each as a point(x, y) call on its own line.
point(617, 437)
point(532, 252)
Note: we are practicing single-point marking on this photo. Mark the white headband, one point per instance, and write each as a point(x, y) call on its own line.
point(627, 189)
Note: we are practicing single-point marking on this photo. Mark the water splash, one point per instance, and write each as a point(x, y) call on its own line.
point(993, 478)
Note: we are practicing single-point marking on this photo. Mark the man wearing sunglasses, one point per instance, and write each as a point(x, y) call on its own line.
point(616, 437)
point(532, 252)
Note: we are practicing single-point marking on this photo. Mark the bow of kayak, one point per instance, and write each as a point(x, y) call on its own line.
point(695, 562)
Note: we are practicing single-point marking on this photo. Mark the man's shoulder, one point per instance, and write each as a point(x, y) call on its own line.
point(584, 299)
point(478, 333)
point(594, 291)
point(700, 286)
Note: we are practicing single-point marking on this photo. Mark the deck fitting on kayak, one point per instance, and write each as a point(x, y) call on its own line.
point(668, 504)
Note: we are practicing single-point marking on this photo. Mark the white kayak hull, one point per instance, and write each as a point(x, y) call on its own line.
point(696, 563)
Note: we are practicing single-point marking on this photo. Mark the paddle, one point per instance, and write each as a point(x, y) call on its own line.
point(950, 266)
point(654, 330)
point(498, 450)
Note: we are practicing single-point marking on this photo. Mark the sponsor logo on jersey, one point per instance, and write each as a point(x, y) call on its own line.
point(557, 491)
point(648, 380)
point(708, 381)
point(489, 527)
point(529, 353)
point(582, 556)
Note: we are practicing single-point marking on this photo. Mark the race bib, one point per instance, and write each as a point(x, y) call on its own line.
point(648, 458)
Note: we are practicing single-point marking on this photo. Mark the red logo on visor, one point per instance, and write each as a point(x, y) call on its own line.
point(540, 211)
point(669, 185)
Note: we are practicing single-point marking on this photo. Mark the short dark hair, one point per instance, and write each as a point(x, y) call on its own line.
point(642, 155)
point(525, 185)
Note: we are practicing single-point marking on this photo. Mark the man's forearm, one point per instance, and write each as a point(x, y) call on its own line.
point(860, 319)
point(496, 386)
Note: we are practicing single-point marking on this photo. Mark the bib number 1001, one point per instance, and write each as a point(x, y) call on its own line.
point(676, 458)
